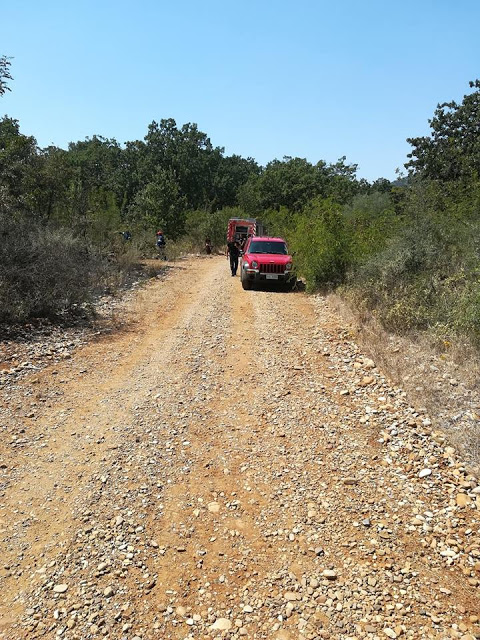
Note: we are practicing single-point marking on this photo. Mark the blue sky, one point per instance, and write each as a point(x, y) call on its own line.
point(315, 79)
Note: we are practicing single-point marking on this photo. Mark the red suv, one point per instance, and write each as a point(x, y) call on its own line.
point(266, 260)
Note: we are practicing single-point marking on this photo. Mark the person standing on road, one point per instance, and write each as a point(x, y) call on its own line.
point(233, 252)
point(161, 244)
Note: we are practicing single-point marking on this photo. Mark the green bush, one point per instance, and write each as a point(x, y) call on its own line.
point(204, 224)
point(321, 244)
point(424, 275)
point(371, 220)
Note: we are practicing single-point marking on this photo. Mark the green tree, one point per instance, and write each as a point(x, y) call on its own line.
point(5, 74)
point(53, 178)
point(341, 183)
point(452, 151)
point(93, 164)
point(231, 173)
point(381, 185)
point(293, 182)
point(187, 154)
point(160, 204)
point(290, 183)
point(18, 154)
point(248, 196)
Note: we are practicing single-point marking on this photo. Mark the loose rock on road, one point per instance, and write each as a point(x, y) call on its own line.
point(230, 465)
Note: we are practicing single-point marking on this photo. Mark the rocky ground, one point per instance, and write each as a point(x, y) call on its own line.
point(445, 382)
point(229, 464)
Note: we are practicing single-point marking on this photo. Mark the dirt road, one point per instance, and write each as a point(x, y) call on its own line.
point(230, 465)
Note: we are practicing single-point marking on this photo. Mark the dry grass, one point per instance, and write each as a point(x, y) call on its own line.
point(445, 382)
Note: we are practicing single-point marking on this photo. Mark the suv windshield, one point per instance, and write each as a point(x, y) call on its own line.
point(263, 246)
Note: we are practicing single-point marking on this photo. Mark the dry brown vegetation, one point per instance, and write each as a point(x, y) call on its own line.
point(444, 381)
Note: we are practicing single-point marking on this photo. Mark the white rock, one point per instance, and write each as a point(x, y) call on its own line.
point(423, 474)
point(60, 588)
point(329, 574)
point(222, 624)
point(213, 507)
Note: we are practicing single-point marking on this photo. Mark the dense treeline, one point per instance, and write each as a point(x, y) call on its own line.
point(407, 252)
point(97, 186)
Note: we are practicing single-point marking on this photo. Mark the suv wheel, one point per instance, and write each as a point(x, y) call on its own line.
point(246, 284)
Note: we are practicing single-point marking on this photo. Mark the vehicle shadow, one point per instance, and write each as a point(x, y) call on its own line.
point(273, 287)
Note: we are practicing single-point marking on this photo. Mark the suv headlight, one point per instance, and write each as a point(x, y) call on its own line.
point(254, 264)
point(288, 266)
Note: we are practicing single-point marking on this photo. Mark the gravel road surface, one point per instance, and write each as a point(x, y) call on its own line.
point(229, 465)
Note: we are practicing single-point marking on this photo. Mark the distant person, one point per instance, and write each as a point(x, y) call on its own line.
point(126, 235)
point(161, 245)
point(208, 246)
point(233, 252)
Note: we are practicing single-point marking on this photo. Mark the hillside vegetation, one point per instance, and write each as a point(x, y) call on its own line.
point(406, 252)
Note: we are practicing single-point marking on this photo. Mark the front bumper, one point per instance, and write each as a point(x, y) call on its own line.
point(255, 275)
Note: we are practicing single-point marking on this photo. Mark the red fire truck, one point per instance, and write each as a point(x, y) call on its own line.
point(240, 229)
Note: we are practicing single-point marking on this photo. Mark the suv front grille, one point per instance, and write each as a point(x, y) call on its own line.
point(272, 268)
